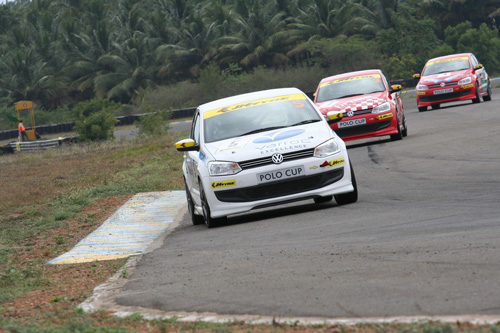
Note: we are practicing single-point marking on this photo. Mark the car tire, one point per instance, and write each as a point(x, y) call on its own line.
point(436, 106)
point(195, 219)
point(399, 135)
point(487, 97)
point(478, 96)
point(351, 197)
point(405, 130)
point(319, 200)
point(207, 217)
point(422, 108)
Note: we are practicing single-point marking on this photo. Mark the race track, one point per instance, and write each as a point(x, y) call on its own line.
point(423, 239)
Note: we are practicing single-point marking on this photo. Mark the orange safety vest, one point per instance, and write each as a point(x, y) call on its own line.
point(21, 127)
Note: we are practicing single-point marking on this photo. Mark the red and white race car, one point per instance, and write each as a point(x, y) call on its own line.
point(369, 107)
point(455, 77)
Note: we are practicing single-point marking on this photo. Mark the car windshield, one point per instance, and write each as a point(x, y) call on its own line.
point(351, 86)
point(258, 116)
point(446, 65)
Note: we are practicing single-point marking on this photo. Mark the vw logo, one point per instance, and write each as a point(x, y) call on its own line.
point(350, 113)
point(442, 84)
point(277, 158)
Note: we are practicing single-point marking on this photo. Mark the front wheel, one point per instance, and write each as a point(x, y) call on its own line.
point(209, 220)
point(351, 197)
point(478, 96)
point(422, 108)
point(195, 219)
point(399, 135)
point(436, 106)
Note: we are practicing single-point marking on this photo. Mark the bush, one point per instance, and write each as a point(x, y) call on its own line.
point(96, 119)
point(154, 124)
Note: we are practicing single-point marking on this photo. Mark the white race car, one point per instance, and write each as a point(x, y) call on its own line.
point(262, 149)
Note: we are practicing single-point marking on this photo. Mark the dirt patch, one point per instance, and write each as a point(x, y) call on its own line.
point(66, 284)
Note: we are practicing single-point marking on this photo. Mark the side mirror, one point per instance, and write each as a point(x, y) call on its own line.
point(186, 145)
point(396, 88)
point(333, 117)
point(416, 76)
point(479, 66)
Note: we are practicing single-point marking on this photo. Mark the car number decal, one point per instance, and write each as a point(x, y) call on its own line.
point(281, 174)
point(239, 106)
point(353, 122)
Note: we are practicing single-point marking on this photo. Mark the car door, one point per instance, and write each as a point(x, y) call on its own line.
point(481, 74)
point(191, 159)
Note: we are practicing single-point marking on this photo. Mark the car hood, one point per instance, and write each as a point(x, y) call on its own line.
point(444, 77)
point(264, 144)
point(353, 103)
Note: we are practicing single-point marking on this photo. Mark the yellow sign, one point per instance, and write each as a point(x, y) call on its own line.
point(24, 105)
point(352, 78)
point(250, 104)
point(446, 60)
point(467, 86)
point(224, 183)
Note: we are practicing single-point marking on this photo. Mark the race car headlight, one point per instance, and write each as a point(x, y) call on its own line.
point(422, 87)
point(223, 168)
point(465, 81)
point(384, 107)
point(327, 148)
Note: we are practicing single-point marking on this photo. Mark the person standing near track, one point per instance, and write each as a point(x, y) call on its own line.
point(22, 132)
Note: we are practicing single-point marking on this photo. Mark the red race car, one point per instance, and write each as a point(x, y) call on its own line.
point(369, 107)
point(455, 77)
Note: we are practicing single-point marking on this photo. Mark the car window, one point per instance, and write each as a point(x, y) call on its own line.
point(351, 86)
point(259, 115)
point(195, 129)
point(446, 65)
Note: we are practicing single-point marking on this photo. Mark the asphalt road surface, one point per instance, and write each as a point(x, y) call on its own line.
point(423, 238)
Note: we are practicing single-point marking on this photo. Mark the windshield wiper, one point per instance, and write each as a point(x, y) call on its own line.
point(262, 130)
point(308, 121)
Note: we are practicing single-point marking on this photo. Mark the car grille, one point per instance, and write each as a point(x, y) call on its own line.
point(268, 160)
point(362, 129)
point(443, 97)
point(358, 112)
point(280, 188)
point(446, 84)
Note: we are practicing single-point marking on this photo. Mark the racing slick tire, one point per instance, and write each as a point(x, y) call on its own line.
point(196, 219)
point(436, 106)
point(478, 96)
point(422, 108)
point(487, 97)
point(351, 197)
point(319, 200)
point(399, 135)
point(207, 217)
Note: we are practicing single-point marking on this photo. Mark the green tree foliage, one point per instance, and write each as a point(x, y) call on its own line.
point(483, 42)
point(57, 52)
